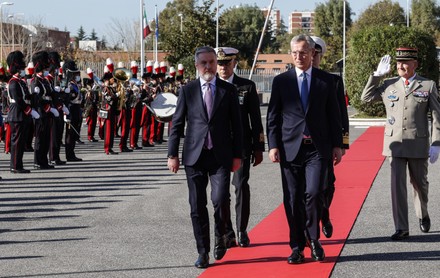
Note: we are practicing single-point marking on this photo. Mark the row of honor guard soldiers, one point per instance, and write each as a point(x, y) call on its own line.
point(47, 99)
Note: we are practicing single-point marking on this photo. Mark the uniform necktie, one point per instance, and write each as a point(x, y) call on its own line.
point(208, 103)
point(305, 98)
point(406, 82)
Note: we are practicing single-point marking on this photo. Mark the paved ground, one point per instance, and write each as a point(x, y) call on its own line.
point(128, 216)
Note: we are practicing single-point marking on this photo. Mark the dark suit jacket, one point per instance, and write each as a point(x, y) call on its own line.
point(18, 108)
point(286, 120)
point(253, 134)
point(224, 125)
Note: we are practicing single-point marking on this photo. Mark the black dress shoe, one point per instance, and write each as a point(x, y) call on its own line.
point(148, 144)
point(243, 239)
point(231, 241)
point(327, 229)
point(126, 150)
point(296, 257)
point(74, 159)
point(111, 152)
point(93, 140)
point(399, 235)
point(28, 150)
point(220, 248)
point(43, 167)
point(136, 147)
point(79, 141)
point(317, 250)
point(58, 162)
point(20, 171)
point(202, 261)
point(425, 224)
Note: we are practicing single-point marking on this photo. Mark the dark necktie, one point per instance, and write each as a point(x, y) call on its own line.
point(304, 92)
point(305, 98)
point(208, 102)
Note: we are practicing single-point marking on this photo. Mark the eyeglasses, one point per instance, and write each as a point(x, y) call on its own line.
point(300, 53)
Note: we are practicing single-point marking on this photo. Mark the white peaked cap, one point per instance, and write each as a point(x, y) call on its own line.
point(109, 61)
point(121, 65)
point(320, 42)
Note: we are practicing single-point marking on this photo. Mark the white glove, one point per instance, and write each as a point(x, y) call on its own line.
point(434, 151)
point(54, 112)
point(65, 110)
point(66, 120)
point(384, 66)
point(67, 90)
point(35, 114)
point(36, 90)
point(57, 89)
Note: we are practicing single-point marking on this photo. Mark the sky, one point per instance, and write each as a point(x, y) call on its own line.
point(99, 14)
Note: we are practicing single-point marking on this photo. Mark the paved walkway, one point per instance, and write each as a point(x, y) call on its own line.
point(128, 216)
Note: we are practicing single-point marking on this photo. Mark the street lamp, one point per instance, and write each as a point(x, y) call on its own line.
point(30, 47)
point(11, 17)
point(1, 28)
point(181, 22)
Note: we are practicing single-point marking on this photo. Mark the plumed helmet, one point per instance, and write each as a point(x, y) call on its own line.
point(70, 69)
point(109, 64)
point(121, 65)
point(15, 61)
point(54, 60)
point(172, 72)
point(30, 68)
point(163, 67)
point(134, 67)
point(40, 60)
point(89, 72)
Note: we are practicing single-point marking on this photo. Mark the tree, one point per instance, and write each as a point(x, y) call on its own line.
point(369, 44)
point(329, 26)
point(93, 35)
point(382, 13)
point(425, 14)
point(81, 35)
point(241, 28)
point(199, 28)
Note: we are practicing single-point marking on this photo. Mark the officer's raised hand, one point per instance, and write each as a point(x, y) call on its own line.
point(384, 66)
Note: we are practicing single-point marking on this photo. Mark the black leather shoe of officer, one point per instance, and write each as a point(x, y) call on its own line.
point(425, 224)
point(317, 250)
point(136, 147)
point(112, 152)
point(296, 257)
point(327, 229)
point(37, 166)
point(20, 171)
point(126, 150)
point(58, 162)
point(220, 248)
point(399, 235)
point(202, 261)
point(148, 144)
point(74, 159)
point(93, 140)
point(79, 141)
point(243, 239)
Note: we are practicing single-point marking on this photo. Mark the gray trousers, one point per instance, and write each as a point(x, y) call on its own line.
point(418, 173)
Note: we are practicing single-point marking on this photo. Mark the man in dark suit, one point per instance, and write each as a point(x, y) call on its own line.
point(304, 132)
point(212, 148)
point(253, 142)
point(329, 190)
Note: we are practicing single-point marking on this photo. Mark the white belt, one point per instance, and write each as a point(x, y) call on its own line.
point(27, 101)
point(76, 102)
point(12, 100)
point(47, 98)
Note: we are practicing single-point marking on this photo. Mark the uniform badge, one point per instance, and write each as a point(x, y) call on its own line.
point(422, 94)
point(393, 98)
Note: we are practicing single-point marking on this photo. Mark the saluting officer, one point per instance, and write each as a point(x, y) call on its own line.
point(408, 99)
point(253, 141)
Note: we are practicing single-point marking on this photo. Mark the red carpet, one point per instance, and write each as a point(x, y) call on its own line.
point(267, 255)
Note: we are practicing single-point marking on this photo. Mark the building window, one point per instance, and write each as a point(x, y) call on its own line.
point(261, 61)
point(278, 61)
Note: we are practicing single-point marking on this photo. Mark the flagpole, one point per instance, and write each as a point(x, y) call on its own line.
point(141, 33)
point(156, 33)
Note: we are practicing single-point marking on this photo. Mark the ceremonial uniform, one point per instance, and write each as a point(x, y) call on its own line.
point(407, 135)
point(108, 112)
